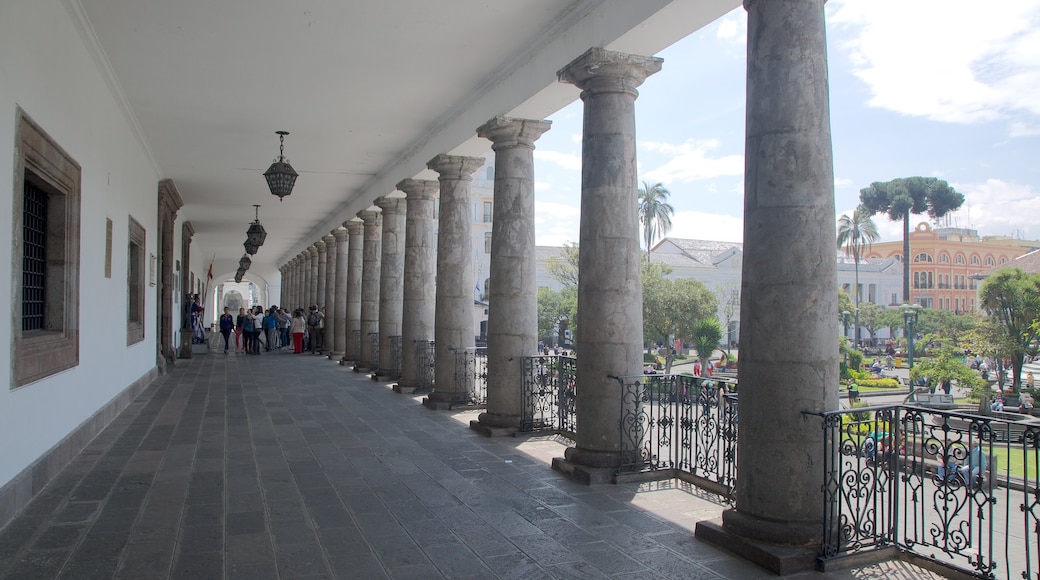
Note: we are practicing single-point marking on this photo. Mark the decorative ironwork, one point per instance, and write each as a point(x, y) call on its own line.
point(471, 374)
point(373, 339)
point(679, 424)
point(394, 371)
point(255, 235)
point(425, 358)
point(356, 335)
point(548, 394)
point(933, 483)
point(34, 257)
point(280, 175)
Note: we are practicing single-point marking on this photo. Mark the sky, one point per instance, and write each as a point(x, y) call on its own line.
point(939, 88)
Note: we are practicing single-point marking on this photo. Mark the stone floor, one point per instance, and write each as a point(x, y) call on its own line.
point(289, 466)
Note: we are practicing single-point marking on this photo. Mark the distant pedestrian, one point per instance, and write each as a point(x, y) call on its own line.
point(227, 325)
point(298, 327)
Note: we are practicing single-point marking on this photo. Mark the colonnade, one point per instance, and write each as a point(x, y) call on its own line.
point(381, 285)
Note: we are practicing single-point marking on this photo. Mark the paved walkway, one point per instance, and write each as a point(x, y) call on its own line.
point(289, 466)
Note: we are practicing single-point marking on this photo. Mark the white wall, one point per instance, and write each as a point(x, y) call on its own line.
point(47, 69)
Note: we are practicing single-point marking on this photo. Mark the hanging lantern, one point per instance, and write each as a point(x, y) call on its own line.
point(280, 175)
point(255, 235)
point(244, 263)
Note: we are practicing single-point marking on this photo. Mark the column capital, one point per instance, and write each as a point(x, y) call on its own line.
point(354, 226)
point(312, 252)
point(370, 216)
point(303, 257)
point(512, 132)
point(320, 246)
point(340, 234)
point(391, 205)
point(329, 240)
point(455, 166)
point(606, 70)
point(418, 188)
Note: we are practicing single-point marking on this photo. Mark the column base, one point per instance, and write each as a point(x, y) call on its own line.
point(496, 425)
point(336, 356)
point(445, 401)
point(404, 389)
point(781, 548)
point(588, 467)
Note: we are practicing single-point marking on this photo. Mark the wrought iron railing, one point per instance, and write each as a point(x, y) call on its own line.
point(547, 394)
point(679, 424)
point(373, 339)
point(426, 356)
point(471, 374)
point(955, 488)
point(394, 372)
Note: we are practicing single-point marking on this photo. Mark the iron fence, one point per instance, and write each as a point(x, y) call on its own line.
point(679, 424)
point(373, 339)
point(471, 374)
point(425, 358)
point(394, 372)
point(547, 395)
point(955, 488)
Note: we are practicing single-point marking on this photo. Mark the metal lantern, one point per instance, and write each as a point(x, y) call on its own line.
point(244, 263)
point(280, 175)
point(255, 235)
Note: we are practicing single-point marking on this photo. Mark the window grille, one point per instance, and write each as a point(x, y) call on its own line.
point(34, 257)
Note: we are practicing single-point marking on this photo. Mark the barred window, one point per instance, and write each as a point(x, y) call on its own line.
point(34, 256)
point(45, 268)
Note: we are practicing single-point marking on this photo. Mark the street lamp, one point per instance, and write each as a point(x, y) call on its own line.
point(845, 322)
point(910, 313)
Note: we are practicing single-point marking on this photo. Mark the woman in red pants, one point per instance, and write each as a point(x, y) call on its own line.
point(298, 326)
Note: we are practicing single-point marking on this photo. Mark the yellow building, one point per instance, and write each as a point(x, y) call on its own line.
point(945, 260)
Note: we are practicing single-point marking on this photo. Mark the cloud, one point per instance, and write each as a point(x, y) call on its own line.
point(690, 162)
point(696, 225)
point(842, 182)
point(957, 61)
point(555, 223)
point(997, 207)
point(732, 28)
point(564, 160)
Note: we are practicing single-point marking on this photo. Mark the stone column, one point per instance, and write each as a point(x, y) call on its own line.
point(453, 324)
point(610, 292)
point(308, 279)
point(788, 279)
point(342, 251)
point(355, 267)
point(321, 268)
point(294, 283)
point(339, 311)
point(420, 278)
point(391, 278)
point(312, 285)
point(512, 329)
point(370, 287)
point(329, 300)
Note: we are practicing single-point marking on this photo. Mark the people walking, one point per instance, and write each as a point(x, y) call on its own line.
point(298, 326)
point(244, 326)
point(270, 323)
point(258, 328)
point(315, 328)
point(227, 325)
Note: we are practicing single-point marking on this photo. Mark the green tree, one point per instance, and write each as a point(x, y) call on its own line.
point(1011, 297)
point(910, 195)
point(855, 235)
point(868, 318)
point(706, 336)
point(564, 268)
point(947, 365)
point(728, 296)
point(655, 213)
point(671, 308)
point(890, 318)
point(554, 306)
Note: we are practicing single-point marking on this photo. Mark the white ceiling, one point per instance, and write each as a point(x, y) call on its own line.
point(369, 91)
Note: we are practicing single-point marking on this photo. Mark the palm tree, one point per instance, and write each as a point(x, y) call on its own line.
point(655, 213)
point(856, 233)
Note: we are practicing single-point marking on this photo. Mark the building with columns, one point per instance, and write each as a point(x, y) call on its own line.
point(135, 135)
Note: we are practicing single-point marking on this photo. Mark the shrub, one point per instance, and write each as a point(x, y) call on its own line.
point(855, 359)
point(885, 383)
point(860, 415)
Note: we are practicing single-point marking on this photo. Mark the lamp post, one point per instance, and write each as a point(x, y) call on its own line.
point(910, 319)
point(845, 322)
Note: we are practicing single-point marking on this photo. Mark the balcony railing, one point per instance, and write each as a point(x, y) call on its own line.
point(679, 425)
point(958, 489)
point(547, 394)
